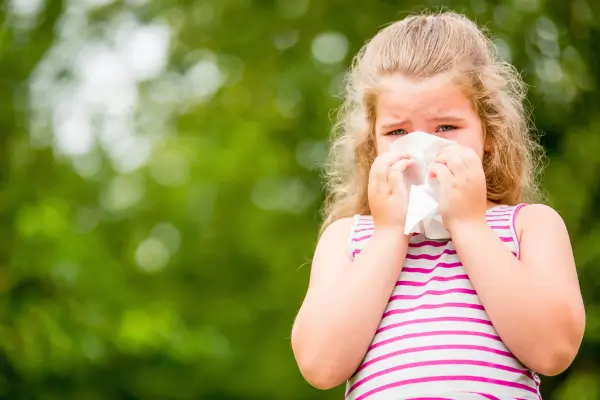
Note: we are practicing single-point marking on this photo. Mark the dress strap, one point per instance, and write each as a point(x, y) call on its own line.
point(361, 232)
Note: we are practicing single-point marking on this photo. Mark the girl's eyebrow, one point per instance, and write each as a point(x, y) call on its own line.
point(393, 125)
point(447, 118)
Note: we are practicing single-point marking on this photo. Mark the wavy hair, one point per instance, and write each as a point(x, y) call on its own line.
point(422, 46)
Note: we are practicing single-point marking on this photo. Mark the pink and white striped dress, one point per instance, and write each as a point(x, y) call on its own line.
point(435, 340)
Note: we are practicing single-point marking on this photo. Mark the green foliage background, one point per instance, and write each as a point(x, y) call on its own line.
point(160, 183)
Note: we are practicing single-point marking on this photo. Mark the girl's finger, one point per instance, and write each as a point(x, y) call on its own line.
point(395, 177)
point(442, 173)
point(381, 167)
point(454, 161)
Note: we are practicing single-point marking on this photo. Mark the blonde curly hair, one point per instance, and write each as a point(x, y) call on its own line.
point(422, 46)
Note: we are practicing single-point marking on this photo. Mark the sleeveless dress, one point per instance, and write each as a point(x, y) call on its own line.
point(435, 339)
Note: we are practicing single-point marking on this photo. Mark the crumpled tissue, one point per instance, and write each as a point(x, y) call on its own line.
point(423, 210)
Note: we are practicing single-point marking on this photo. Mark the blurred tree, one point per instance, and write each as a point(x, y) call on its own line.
point(160, 183)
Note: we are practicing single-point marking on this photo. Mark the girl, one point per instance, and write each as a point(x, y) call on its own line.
point(405, 317)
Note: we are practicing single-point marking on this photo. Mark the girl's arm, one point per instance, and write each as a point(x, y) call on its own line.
point(534, 302)
point(345, 302)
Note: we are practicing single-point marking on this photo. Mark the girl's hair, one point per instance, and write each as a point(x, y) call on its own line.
point(422, 46)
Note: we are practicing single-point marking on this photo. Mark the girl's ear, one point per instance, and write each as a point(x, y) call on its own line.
point(487, 142)
point(487, 145)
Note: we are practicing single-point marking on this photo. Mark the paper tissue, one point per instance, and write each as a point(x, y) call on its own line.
point(423, 214)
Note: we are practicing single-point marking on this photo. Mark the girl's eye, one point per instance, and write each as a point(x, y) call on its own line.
point(397, 132)
point(444, 128)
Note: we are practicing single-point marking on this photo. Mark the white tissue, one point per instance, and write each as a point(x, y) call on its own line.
point(423, 212)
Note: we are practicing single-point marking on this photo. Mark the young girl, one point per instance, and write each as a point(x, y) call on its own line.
point(405, 317)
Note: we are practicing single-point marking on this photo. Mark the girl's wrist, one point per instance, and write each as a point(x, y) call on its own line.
point(466, 225)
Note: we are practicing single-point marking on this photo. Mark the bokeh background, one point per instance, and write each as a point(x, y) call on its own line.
point(160, 183)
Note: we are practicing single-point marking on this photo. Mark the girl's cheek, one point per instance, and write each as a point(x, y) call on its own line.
point(384, 143)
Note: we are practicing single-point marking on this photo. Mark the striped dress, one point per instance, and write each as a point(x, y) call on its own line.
point(435, 340)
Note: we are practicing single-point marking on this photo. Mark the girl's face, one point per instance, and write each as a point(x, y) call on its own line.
point(432, 105)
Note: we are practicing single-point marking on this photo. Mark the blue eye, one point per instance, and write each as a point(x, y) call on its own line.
point(445, 128)
point(397, 132)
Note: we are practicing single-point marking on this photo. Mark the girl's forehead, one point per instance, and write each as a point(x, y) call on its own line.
point(397, 81)
point(431, 95)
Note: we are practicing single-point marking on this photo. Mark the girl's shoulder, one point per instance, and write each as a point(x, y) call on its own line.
point(513, 222)
point(536, 216)
point(336, 233)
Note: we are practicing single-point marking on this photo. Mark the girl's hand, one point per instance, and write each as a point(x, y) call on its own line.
point(464, 193)
point(387, 191)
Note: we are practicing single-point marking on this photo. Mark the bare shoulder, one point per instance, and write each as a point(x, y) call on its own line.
point(335, 237)
point(331, 255)
point(543, 233)
point(337, 230)
point(538, 217)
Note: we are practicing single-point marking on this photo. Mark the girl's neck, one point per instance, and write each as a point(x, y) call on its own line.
point(491, 204)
